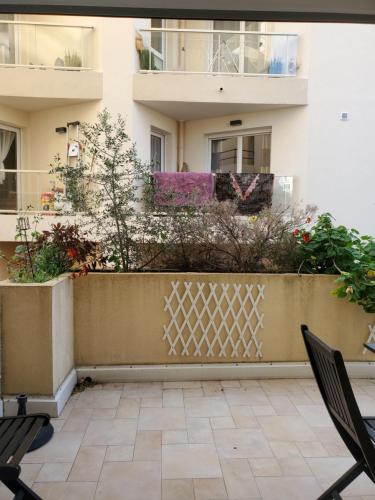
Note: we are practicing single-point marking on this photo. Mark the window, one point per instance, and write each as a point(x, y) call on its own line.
point(250, 153)
point(8, 161)
point(157, 152)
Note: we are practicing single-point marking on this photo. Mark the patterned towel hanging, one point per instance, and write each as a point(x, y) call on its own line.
point(253, 192)
point(183, 188)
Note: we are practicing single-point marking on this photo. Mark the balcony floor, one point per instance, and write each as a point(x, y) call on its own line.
point(269, 439)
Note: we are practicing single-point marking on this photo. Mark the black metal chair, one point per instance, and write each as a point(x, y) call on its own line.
point(16, 436)
point(357, 433)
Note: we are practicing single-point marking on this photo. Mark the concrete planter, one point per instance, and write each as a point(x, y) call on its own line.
point(174, 318)
point(37, 343)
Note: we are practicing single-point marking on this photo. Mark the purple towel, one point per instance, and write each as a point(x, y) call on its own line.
point(183, 188)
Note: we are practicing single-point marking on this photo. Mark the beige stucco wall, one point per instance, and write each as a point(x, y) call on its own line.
point(119, 318)
point(36, 327)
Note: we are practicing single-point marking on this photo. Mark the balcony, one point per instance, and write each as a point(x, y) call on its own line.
point(208, 73)
point(45, 65)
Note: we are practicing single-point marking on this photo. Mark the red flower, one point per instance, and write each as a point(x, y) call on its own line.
point(296, 232)
point(72, 253)
point(306, 237)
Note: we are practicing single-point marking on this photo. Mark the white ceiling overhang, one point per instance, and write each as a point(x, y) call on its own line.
point(356, 11)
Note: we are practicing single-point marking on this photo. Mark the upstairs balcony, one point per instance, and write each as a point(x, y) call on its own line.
point(45, 65)
point(227, 71)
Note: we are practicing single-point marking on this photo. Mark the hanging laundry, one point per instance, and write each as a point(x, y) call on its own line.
point(183, 188)
point(253, 192)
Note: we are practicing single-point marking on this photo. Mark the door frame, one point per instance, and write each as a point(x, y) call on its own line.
point(162, 148)
point(17, 131)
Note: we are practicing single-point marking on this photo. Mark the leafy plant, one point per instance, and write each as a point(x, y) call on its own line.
point(327, 249)
point(106, 184)
point(72, 59)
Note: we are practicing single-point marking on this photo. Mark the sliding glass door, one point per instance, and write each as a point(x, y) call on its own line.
point(248, 153)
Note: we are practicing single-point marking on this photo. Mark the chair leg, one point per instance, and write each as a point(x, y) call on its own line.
point(21, 490)
point(333, 492)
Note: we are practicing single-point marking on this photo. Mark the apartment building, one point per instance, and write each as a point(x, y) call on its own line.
point(295, 100)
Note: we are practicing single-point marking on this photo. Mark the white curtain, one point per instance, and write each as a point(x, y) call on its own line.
point(6, 140)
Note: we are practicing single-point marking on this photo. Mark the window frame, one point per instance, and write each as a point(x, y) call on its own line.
point(161, 136)
point(240, 134)
point(17, 131)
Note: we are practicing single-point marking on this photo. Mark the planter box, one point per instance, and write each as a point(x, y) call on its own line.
point(174, 318)
point(36, 325)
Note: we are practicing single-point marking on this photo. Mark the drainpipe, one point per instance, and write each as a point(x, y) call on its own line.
point(181, 145)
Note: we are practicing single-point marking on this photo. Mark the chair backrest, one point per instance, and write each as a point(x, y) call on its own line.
point(333, 381)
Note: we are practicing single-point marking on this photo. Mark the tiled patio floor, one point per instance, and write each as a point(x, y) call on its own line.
point(238, 440)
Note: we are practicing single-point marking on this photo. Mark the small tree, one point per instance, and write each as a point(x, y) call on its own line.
point(105, 186)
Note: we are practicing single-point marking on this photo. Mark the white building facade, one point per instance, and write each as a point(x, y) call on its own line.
point(295, 100)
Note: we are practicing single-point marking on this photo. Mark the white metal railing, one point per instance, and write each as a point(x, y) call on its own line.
point(45, 45)
point(213, 51)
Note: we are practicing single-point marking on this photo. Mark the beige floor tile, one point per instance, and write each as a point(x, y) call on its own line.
point(65, 491)
point(283, 405)
point(147, 446)
point(294, 466)
point(241, 443)
point(244, 422)
point(288, 488)
point(57, 423)
point(142, 390)
point(113, 386)
point(173, 398)
point(222, 423)
point(58, 472)
point(110, 432)
point(263, 411)
point(88, 464)
point(239, 480)
point(331, 441)
point(210, 489)
point(98, 399)
point(312, 449)
point(315, 416)
point(151, 403)
point(181, 461)
point(161, 419)
point(63, 447)
point(286, 428)
point(174, 437)
point(130, 480)
point(177, 489)
point(212, 388)
point(265, 467)
point(77, 421)
point(241, 411)
point(122, 453)
point(104, 413)
point(328, 470)
point(172, 385)
point(128, 408)
point(206, 407)
point(193, 393)
point(284, 449)
point(257, 396)
point(199, 430)
point(250, 383)
point(192, 384)
point(230, 383)
point(29, 472)
point(237, 396)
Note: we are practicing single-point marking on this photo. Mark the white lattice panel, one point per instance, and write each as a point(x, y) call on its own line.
point(371, 337)
point(214, 319)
